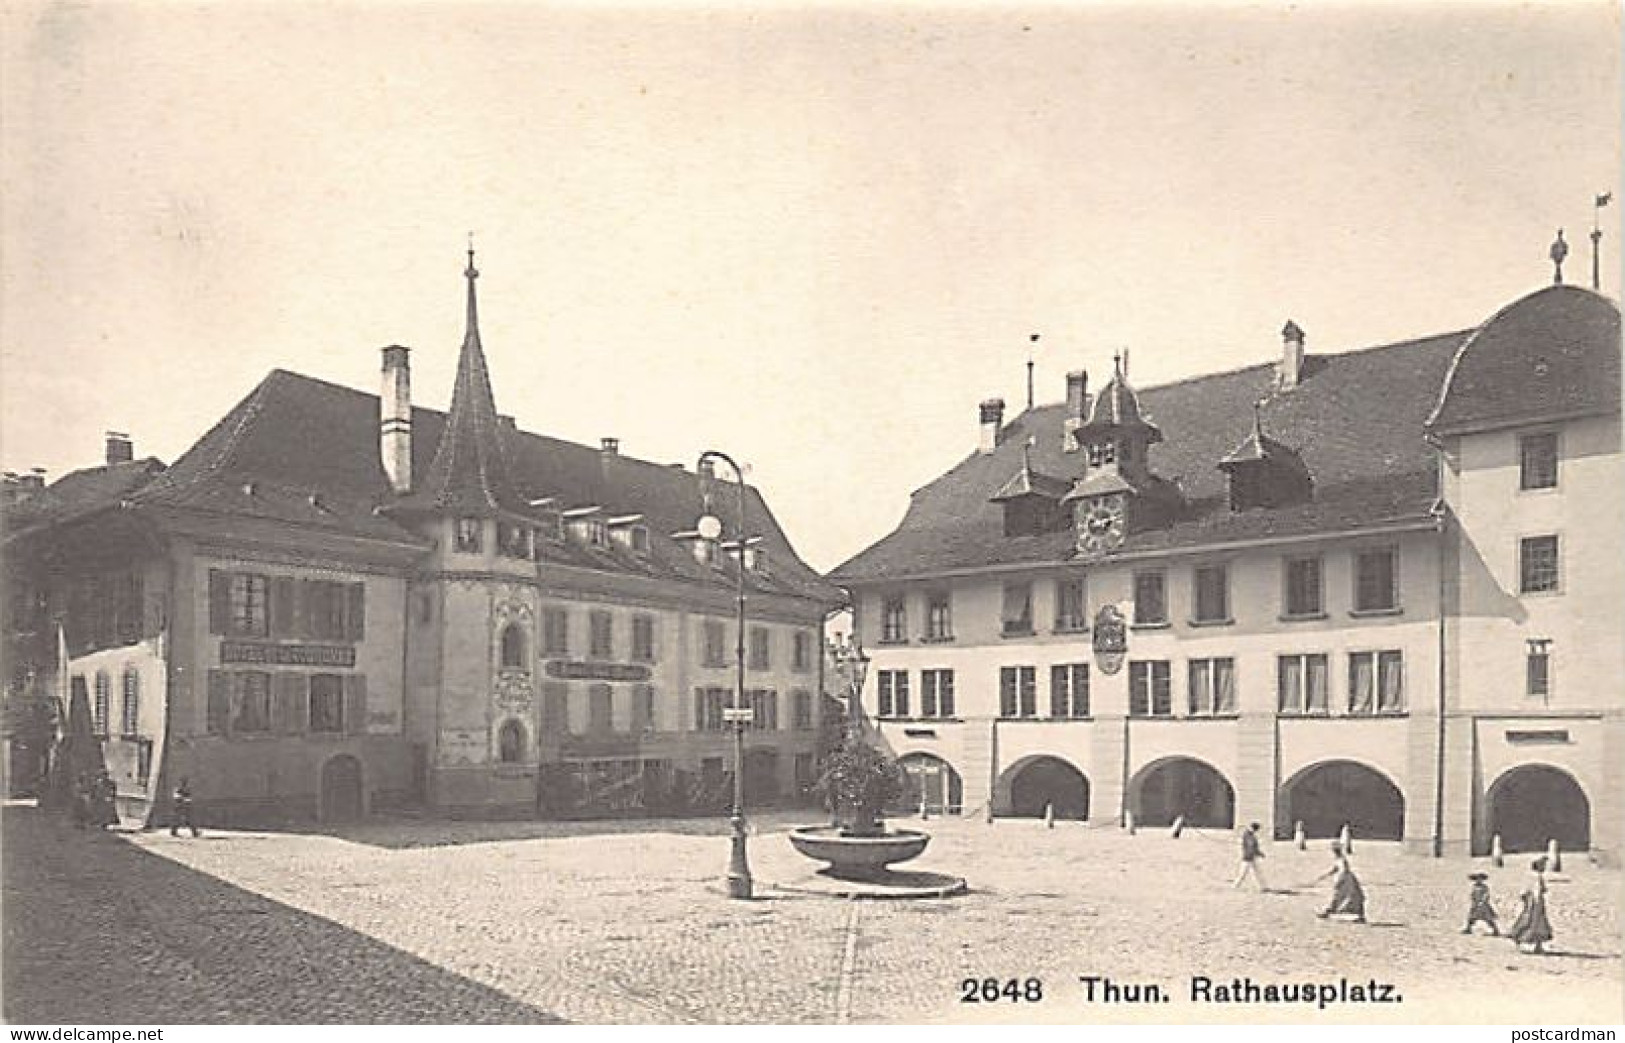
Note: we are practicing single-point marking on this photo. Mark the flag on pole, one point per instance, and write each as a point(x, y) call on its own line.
point(1603, 199)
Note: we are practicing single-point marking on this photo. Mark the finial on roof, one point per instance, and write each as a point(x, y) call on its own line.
point(1559, 250)
point(1117, 364)
point(1033, 340)
point(1258, 418)
point(1027, 453)
point(471, 272)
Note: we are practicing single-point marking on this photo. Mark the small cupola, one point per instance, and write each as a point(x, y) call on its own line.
point(1032, 500)
point(1264, 472)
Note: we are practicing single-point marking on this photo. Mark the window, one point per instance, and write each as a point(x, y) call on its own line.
point(936, 693)
point(468, 535)
point(253, 702)
point(1301, 684)
point(1102, 453)
point(801, 652)
point(1537, 564)
point(640, 539)
point(1375, 586)
point(600, 634)
point(893, 693)
point(1069, 690)
point(643, 708)
point(1537, 461)
point(511, 742)
point(759, 646)
point(764, 704)
point(716, 642)
point(1150, 692)
point(143, 760)
point(1150, 598)
point(1018, 608)
point(600, 708)
point(1302, 594)
point(893, 621)
point(1376, 683)
point(131, 705)
point(939, 619)
point(643, 639)
point(515, 541)
point(249, 604)
point(801, 707)
point(1070, 613)
point(513, 648)
point(1018, 691)
point(1212, 687)
point(708, 706)
point(555, 632)
point(101, 711)
point(1538, 670)
point(1212, 594)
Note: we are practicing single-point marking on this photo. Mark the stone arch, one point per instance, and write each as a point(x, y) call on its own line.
point(511, 742)
point(1534, 803)
point(930, 779)
point(1329, 794)
point(343, 795)
point(1041, 780)
point(515, 647)
point(1173, 786)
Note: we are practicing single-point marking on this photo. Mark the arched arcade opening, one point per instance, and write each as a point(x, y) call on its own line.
point(1166, 789)
point(932, 780)
point(1037, 782)
point(1536, 803)
point(1331, 794)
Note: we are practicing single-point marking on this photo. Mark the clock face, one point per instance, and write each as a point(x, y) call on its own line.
point(1101, 528)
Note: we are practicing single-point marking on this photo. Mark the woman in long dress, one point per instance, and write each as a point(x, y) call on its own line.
point(1348, 897)
point(1532, 927)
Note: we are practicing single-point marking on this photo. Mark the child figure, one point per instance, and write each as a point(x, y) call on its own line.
point(1479, 904)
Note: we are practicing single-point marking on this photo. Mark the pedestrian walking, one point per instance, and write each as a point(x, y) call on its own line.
point(1479, 908)
point(1252, 853)
point(1532, 927)
point(1348, 897)
point(183, 809)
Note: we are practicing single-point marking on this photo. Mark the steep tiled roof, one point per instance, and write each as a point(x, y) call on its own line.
point(295, 436)
point(1355, 420)
point(79, 493)
point(1554, 353)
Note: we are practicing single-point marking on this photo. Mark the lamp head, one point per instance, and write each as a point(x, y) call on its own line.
point(710, 527)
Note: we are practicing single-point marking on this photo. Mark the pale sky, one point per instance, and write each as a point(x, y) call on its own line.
point(811, 236)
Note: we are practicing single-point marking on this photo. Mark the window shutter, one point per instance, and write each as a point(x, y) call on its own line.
point(355, 704)
point(290, 693)
point(219, 700)
point(282, 600)
point(219, 601)
point(355, 612)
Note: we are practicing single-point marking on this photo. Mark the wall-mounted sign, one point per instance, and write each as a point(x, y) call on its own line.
point(1555, 737)
point(1110, 638)
point(287, 655)
point(578, 670)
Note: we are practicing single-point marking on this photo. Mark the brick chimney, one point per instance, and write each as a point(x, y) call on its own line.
point(395, 419)
point(610, 446)
point(991, 412)
point(1077, 407)
point(1290, 369)
point(120, 450)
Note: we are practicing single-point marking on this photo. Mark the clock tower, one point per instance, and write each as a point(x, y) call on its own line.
point(1117, 494)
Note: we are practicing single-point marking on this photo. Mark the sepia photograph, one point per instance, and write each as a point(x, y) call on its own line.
point(811, 513)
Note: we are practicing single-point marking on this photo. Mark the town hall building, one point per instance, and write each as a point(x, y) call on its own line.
point(1377, 589)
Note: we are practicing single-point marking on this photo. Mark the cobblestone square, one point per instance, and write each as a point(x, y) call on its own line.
point(410, 921)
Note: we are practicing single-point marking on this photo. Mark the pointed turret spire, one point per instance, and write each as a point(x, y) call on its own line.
point(469, 473)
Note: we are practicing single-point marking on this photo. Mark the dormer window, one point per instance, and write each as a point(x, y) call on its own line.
point(515, 540)
point(469, 535)
point(586, 524)
point(629, 532)
point(1264, 472)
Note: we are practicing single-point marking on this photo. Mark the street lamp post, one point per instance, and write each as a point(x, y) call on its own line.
point(710, 528)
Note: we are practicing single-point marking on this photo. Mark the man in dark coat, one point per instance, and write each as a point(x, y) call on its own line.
point(183, 809)
point(1252, 853)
